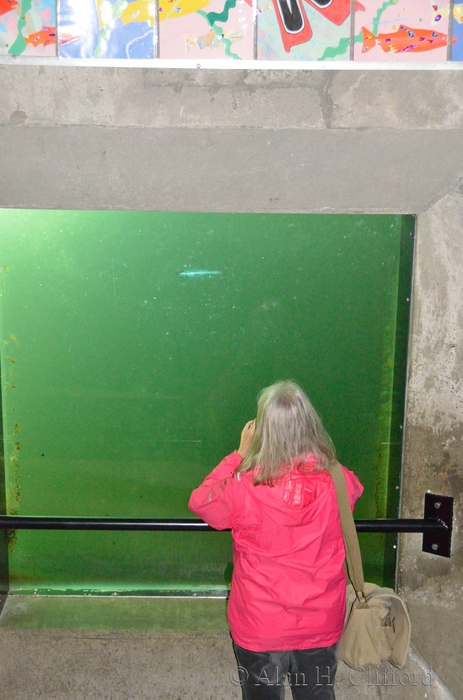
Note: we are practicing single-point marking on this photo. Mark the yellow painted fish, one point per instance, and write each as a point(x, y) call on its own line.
point(139, 11)
point(179, 8)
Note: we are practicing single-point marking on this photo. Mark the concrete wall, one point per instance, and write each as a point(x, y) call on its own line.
point(276, 141)
point(434, 435)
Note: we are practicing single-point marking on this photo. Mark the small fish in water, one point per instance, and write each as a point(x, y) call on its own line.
point(7, 6)
point(200, 273)
point(405, 39)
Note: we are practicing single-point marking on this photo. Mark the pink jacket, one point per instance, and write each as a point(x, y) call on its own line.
point(288, 586)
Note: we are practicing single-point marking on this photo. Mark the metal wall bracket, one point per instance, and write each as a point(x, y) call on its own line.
point(440, 508)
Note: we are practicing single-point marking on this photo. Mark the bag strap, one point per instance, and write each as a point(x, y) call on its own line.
point(349, 532)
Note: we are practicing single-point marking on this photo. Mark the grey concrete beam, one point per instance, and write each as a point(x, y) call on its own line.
point(167, 139)
point(227, 169)
point(166, 98)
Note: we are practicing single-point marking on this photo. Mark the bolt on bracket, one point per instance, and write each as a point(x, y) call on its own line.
point(438, 508)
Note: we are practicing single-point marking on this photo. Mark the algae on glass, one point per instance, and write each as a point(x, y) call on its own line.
point(133, 347)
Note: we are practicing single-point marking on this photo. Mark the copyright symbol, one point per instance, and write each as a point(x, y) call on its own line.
point(241, 678)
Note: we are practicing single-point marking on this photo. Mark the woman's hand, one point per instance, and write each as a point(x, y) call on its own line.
point(246, 437)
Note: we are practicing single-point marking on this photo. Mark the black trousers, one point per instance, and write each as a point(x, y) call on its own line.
point(309, 673)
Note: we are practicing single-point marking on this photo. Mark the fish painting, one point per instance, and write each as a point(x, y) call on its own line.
point(66, 38)
point(139, 11)
point(192, 273)
point(211, 40)
point(45, 37)
point(7, 6)
point(405, 39)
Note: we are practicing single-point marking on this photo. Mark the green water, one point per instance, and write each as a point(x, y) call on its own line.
point(124, 381)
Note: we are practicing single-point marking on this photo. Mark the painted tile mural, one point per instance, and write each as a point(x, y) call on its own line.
point(27, 28)
point(206, 29)
point(457, 48)
point(401, 30)
point(303, 29)
point(107, 29)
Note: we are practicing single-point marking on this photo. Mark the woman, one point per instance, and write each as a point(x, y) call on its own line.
point(287, 601)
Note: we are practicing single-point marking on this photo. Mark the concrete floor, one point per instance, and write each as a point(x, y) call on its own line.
point(40, 662)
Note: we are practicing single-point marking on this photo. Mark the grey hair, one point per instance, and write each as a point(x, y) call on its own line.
point(288, 428)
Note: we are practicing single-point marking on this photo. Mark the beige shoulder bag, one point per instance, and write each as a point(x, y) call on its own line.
point(377, 625)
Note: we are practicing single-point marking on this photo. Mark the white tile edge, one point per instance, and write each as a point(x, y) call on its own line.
point(157, 63)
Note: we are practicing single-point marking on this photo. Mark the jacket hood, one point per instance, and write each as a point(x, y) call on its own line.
point(300, 489)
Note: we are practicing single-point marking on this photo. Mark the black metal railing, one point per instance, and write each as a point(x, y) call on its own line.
point(436, 526)
point(15, 522)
